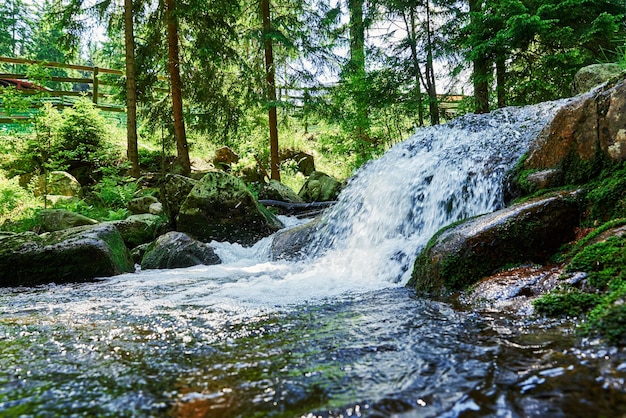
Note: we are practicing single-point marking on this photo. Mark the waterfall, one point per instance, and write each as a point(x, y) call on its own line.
point(386, 214)
point(442, 174)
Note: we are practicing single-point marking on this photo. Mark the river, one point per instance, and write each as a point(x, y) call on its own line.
point(333, 334)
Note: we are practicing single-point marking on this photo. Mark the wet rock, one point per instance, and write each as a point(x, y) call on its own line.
point(589, 128)
point(72, 255)
point(174, 190)
point(141, 205)
point(220, 207)
point(140, 229)
point(320, 187)
point(288, 244)
point(275, 190)
point(178, 250)
point(460, 255)
point(514, 290)
point(58, 219)
point(58, 183)
point(593, 75)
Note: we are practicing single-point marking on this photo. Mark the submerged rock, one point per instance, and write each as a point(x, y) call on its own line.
point(220, 207)
point(460, 255)
point(75, 254)
point(177, 250)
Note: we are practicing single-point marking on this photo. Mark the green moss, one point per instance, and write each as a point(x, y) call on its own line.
point(572, 303)
point(606, 196)
point(603, 261)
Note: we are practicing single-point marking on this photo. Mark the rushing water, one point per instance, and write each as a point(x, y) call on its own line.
point(333, 335)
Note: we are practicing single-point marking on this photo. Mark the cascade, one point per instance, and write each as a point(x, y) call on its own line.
point(440, 175)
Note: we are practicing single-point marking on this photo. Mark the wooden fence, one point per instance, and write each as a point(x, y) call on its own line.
point(61, 98)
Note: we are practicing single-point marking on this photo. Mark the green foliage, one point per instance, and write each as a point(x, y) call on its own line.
point(115, 192)
point(13, 198)
point(573, 303)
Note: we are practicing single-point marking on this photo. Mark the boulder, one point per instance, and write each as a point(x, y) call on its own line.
point(460, 255)
point(141, 205)
point(220, 207)
point(57, 183)
point(224, 158)
point(275, 190)
point(320, 187)
point(58, 219)
point(174, 191)
point(177, 250)
point(593, 75)
point(305, 162)
point(588, 129)
point(72, 255)
point(288, 244)
point(139, 229)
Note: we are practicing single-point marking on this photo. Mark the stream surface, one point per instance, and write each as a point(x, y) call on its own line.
point(169, 344)
point(334, 334)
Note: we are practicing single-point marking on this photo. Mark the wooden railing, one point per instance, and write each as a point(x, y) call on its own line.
point(62, 98)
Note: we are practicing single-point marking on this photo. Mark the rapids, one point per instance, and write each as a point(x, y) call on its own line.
point(334, 334)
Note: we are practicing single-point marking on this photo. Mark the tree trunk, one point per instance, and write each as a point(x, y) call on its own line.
point(356, 72)
point(481, 69)
point(176, 87)
point(411, 29)
point(433, 102)
point(501, 80)
point(270, 87)
point(131, 90)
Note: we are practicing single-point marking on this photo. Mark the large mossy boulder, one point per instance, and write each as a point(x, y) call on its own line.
point(178, 250)
point(140, 229)
point(220, 207)
point(59, 219)
point(460, 255)
point(320, 187)
point(72, 255)
point(174, 190)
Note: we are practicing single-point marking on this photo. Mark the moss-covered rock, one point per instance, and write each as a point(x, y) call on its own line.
point(275, 190)
point(72, 255)
point(220, 207)
point(174, 190)
point(58, 219)
point(320, 187)
point(460, 255)
point(177, 250)
point(140, 229)
point(593, 75)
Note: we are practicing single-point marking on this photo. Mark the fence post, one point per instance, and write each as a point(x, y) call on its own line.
point(95, 85)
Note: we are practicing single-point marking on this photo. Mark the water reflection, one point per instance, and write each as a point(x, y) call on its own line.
point(74, 350)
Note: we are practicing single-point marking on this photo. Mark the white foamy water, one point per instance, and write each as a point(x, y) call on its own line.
point(369, 241)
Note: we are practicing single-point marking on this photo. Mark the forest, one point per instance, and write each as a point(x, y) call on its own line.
point(341, 81)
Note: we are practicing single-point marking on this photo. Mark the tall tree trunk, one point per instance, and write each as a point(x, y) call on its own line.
point(270, 87)
point(411, 28)
point(433, 101)
point(176, 87)
point(131, 90)
point(356, 71)
point(481, 68)
point(501, 79)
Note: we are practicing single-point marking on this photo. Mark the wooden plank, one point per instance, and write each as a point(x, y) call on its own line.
point(58, 65)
